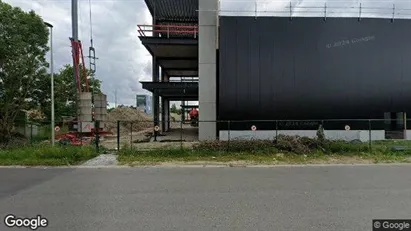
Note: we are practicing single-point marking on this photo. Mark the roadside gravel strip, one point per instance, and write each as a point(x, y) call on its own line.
point(171, 166)
point(102, 160)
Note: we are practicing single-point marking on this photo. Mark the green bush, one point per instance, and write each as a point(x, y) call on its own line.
point(284, 143)
point(236, 145)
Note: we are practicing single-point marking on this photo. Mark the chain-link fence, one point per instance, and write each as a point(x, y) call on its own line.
point(177, 134)
point(146, 135)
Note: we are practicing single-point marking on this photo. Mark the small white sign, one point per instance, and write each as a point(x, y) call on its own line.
point(253, 128)
point(347, 127)
point(57, 128)
point(156, 128)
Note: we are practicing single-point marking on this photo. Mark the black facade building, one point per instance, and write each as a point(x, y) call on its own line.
point(277, 68)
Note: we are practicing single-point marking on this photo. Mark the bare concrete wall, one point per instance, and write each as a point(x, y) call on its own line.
point(207, 68)
point(362, 135)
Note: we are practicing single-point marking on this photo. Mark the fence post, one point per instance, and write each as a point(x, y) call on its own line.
point(81, 132)
point(228, 143)
point(393, 12)
point(97, 131)
point(369, 135)
point(359, 15)
point(155, 133)
point(255, 10)
point(31, 133)
point(276, 130)
point(131, 135)
point(118, 135)
point(181, 134)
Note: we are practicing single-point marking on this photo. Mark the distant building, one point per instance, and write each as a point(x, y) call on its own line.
point(144, 103)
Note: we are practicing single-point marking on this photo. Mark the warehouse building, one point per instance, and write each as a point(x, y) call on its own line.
point(338, 72)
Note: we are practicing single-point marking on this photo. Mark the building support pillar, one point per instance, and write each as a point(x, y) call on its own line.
point(165, 106)
point(169, 117)
point(207, 45)
point(165, 112)
point(156, 98)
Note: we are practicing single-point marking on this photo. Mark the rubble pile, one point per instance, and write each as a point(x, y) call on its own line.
point(131, 120)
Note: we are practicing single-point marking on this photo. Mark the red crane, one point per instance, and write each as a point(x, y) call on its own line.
point(77, 52)
point(82, 84)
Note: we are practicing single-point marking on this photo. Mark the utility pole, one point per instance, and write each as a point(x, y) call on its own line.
point(74, 19)
point(53, 135)
point(74, 28)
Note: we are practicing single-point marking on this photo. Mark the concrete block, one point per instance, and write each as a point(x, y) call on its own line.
point(86, 126)
point(100, 111)
point(85, 96)
point(100, 117)
point(85, 117)
point(100, 97)
point(85, 110)
point(100, 104)
point(207, 44)
point(85, 103)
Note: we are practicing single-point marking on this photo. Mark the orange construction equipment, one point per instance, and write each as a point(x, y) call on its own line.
point(193, 113)
point(193, 117)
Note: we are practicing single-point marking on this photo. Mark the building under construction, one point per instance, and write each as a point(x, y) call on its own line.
point(173, 41)
point(279, 68)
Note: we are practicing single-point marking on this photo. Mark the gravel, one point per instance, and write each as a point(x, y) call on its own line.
point(102, 160)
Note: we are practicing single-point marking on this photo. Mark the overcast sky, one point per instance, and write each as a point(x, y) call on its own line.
point(123, 61)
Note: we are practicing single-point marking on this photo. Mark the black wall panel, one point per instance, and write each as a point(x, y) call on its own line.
point(308, 68)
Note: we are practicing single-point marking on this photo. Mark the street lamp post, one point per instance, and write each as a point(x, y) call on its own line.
point(53, 136)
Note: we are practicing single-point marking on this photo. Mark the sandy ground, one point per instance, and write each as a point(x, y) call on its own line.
point(170, 139)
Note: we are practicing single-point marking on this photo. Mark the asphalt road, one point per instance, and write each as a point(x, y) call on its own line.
point(280, 198)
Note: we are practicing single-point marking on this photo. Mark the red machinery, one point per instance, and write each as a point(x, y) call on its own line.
point(74, 137)
point(77, 51)
point(194, 117)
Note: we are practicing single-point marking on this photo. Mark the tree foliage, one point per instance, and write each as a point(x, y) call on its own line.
point(175, 110)
point(65, 93)
point(23, 46)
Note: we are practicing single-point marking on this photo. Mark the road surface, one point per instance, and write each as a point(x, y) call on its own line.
point(280, 198)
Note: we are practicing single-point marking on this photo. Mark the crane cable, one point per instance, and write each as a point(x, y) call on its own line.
point(91, 25)
point(92, 52)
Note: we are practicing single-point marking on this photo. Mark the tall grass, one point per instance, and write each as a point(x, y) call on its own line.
point(289, 148)
point(45, 154)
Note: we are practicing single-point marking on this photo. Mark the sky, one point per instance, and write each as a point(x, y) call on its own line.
point(123, 61)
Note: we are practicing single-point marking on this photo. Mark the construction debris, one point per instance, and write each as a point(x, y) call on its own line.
point(131, 120)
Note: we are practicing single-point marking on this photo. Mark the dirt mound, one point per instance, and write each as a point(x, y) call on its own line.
point(130, 120)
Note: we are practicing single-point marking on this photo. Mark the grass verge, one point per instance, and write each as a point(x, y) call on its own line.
point(286, 150)
point(46, 155)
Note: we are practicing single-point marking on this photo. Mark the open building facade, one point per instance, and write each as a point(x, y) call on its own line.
point(281, 75)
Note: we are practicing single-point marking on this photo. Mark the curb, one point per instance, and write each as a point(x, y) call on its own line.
point(205, 166)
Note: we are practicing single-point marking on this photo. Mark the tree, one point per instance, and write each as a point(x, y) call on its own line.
point(174, 109)
point(23, 46)
point(65, 93)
